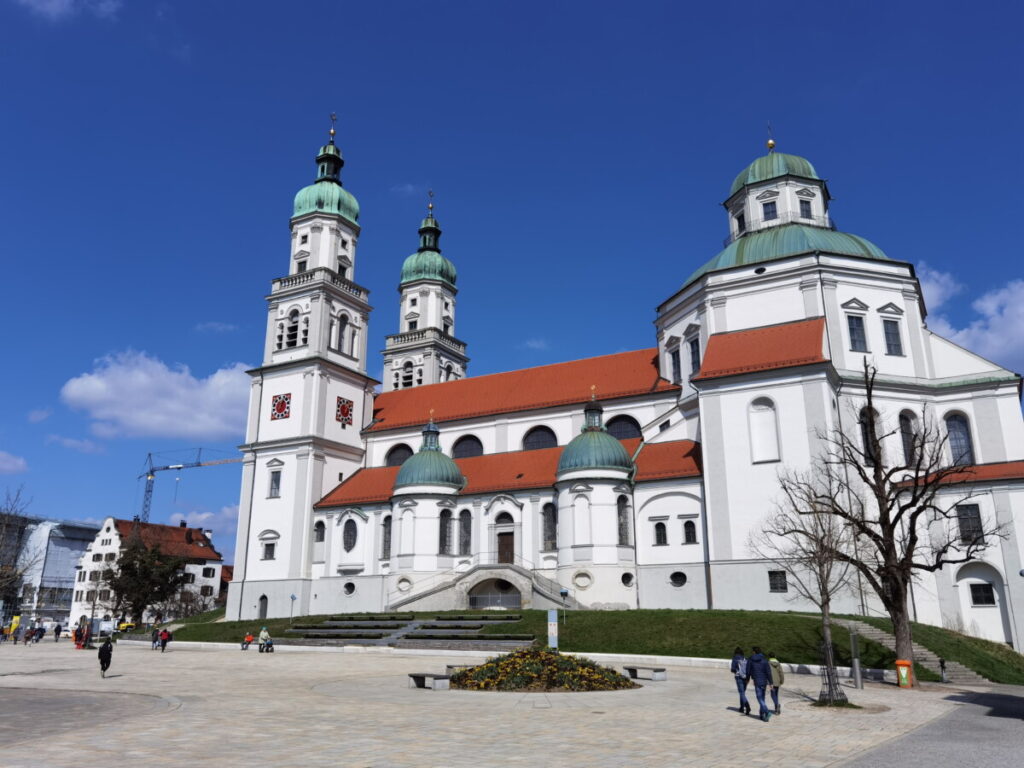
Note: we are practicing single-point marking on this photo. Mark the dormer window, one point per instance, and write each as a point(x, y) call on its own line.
point(412, 302)
point(805, 209)
point(741, 224)
point(304, 239)
point(769, 210)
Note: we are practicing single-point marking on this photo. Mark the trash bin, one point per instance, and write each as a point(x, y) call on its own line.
point(904, 673)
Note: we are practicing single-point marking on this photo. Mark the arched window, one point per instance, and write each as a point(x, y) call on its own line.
point(318, 531)
point(764, 431)
point(467, 446)
point(504, 519)
point(291, 331)
point(622, 508)
point(444, 544)
point(539, 437)
point(385, 538)
point(342, 331)
point(689, 532)
point(449, 372)
point(280, 335)
point(348, 535)
point(396, 456)
point(623, 427)
point(869, 437)
point(908, 434)
point(550, 527)
point(660, 535)
point(465, 532)
point(305, 331)
point(407, 375)
point(960, 446)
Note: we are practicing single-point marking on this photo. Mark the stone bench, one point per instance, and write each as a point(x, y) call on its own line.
point(635, 672)
point(428, 680)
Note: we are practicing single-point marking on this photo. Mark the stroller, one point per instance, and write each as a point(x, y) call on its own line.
point(268, 646)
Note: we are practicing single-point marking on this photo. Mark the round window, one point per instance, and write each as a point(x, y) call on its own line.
point(678, 579)
point(404, 585)
point(759, 271)
point(627, 579)
point(349, 587)
point(582, 579)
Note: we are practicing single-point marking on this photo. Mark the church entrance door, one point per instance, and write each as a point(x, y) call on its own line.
point(506, 547)
point(263, 606)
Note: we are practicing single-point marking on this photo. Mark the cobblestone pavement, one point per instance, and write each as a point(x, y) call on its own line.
point(199, 707)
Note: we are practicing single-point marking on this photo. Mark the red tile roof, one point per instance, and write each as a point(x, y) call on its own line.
point(980, 473)
point(175, 540)
point(227, 573)
point(621, 375)
point(764, 349)
point(519, 470)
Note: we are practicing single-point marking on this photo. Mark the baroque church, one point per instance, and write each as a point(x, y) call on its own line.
point(631, 480)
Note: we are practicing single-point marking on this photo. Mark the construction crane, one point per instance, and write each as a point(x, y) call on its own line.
point(151, 470)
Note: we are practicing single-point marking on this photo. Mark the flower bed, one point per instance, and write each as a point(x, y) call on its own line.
point(536, 669)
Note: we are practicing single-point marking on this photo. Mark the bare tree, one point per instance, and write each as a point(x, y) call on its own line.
point(900, 506)
point(806, 540)
point(17, 558)
point(187, 602)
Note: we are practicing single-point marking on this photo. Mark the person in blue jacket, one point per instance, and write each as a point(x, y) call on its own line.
point(760, 671)
point(739, 673)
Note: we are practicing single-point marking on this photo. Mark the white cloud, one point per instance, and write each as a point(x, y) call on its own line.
point(11, 464)
point(130, 394)
point(58, 10)
point(82, 446)
point(39, 414)
point(213, 326)
point(996, 333)
point(937, 287)
point(535, 344)
point(223, 523)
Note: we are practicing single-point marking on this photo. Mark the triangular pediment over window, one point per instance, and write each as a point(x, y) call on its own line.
point(805, 192)
point(855, 304)
point(890, 309)
point(768, 194)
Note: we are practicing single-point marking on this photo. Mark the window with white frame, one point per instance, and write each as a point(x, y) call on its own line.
point(269, 549)
point(769, 210)
point(805, 209)
point(208, 573)
point(385, 546)
point(961, 448)
point(893, 340)
point(660, 535)
point(858, 339)
point(689, 532)
point(968, 517)
point(777, 581)
point(694, 345)
point(675, 363)
point(206, 590)
point(274, 492)
point(983, 594)
point(550, 527)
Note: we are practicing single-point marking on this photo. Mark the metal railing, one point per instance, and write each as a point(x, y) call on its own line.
point(784, 217)
point(497, 600)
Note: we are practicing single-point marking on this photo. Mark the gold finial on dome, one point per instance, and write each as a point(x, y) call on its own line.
point(771, 145)
point(430, 202)
point(771, 138)
point(334, 119)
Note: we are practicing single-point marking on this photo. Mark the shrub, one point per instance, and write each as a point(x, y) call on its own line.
point(540, 669)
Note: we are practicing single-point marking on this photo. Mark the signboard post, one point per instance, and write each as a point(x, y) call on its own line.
point(553, 628)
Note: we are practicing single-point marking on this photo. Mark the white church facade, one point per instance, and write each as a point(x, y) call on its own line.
point(624, 481)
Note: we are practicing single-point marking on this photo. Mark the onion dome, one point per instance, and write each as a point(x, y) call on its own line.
point(594, 448)
point(326, 195)
point(430, 466)
point(788, 240)
point(772, 166)
point(428, 263)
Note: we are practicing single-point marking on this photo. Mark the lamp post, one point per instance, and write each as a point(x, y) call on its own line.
point(564, 593)
point(291, 612)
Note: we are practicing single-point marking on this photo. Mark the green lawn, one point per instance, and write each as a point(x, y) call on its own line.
point(995, 661)
point(793, 637)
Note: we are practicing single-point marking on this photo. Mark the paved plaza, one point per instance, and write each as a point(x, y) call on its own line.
point(225, 707)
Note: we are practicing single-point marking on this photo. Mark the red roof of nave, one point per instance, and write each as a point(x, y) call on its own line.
point(621, 375)
point(519, 470)
point(768, 348)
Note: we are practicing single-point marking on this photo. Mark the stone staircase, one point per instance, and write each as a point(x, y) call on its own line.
point(955, 672)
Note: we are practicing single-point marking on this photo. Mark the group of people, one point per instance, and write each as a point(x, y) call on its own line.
point(765, 671)
point(266, 641)
point(28, 634)
point(160, 639)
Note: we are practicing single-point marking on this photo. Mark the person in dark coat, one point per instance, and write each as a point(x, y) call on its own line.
point(760, 671)
point(56, 634)
point(738, 667)
point(155, 637)
point(105, 653)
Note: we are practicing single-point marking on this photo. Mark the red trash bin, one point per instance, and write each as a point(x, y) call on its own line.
point(904, 673)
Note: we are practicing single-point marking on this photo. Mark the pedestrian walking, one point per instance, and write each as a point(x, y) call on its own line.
point(155, 638)
point(56, 633)
point(760, 671)
point(105, 652)
point(264, 639)
point(739, 672)
point(165, 638)
point(778, 678)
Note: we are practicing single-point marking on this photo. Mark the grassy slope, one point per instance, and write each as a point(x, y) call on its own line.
point(995, 661)
point(711, 634)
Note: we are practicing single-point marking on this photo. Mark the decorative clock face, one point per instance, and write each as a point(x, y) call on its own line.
point(344, 412)
point(281, 407)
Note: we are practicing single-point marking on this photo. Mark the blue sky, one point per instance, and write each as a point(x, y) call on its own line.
point(579, 152)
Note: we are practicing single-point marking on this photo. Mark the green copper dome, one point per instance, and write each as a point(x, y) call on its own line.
point(428, 263)
point(326, 195)
point(594, 448)
point(430, 466)
point(772, 166)
point(788, 240)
